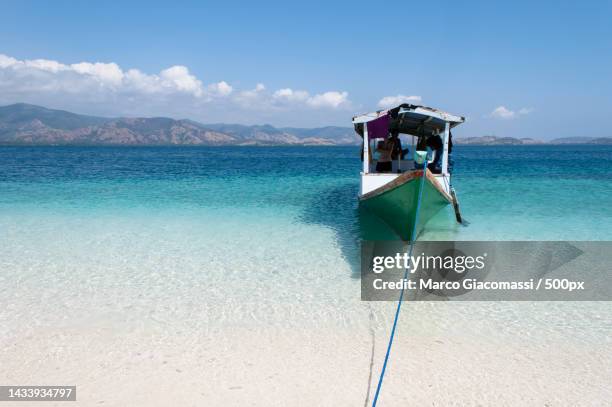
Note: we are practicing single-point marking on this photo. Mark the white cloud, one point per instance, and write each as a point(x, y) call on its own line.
point(179, 78)
point(41, 64)
point(502, 112)
point(252, 97)
point(291, 95)
point(392, 101)
point(139, 81)
point(42, 73)
point(222, 88)
point(107, 88)
point(329, 99)
point(46, 65)
point(6, 61)
point(108, 74)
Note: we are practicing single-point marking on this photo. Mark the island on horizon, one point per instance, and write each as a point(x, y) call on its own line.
point(26, 124)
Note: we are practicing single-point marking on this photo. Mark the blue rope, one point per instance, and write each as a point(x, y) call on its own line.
point(401, 296)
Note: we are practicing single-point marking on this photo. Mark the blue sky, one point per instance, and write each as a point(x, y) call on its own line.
point(522, 69)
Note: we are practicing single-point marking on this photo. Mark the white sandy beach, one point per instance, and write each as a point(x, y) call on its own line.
point(444, 354)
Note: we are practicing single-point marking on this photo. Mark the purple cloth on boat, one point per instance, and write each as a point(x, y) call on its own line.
point(379, 127)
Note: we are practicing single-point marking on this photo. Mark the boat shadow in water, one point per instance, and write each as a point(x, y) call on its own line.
point(338, 208)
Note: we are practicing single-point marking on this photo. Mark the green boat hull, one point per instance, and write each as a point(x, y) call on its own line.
point(396, 203)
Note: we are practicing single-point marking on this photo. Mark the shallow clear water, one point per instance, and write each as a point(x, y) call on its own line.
point(215, 235)
point(531, 193)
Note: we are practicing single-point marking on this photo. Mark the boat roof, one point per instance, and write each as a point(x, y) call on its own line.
point(415, 120)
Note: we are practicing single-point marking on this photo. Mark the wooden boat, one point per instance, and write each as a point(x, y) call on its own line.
point(393, 195)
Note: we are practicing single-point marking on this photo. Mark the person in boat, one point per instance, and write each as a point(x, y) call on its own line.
point(435, 144)
point(385, 151)
point(396, 147)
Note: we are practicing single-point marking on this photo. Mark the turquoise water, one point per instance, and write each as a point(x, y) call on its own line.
point(509, 193)
point(531, 193)
point(194, 216)
point(217, 236)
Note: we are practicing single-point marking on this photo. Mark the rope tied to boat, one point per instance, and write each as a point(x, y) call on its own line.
point(401, 296)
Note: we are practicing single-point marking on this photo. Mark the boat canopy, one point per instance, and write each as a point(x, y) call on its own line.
point(414, 120)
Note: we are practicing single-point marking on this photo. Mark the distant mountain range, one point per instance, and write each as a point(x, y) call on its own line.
point(35, 125)
point(495, 141)
point(511, 141)
point(582, 140)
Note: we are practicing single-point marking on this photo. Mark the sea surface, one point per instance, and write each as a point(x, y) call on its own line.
point(200, 225)
point(506, 192)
